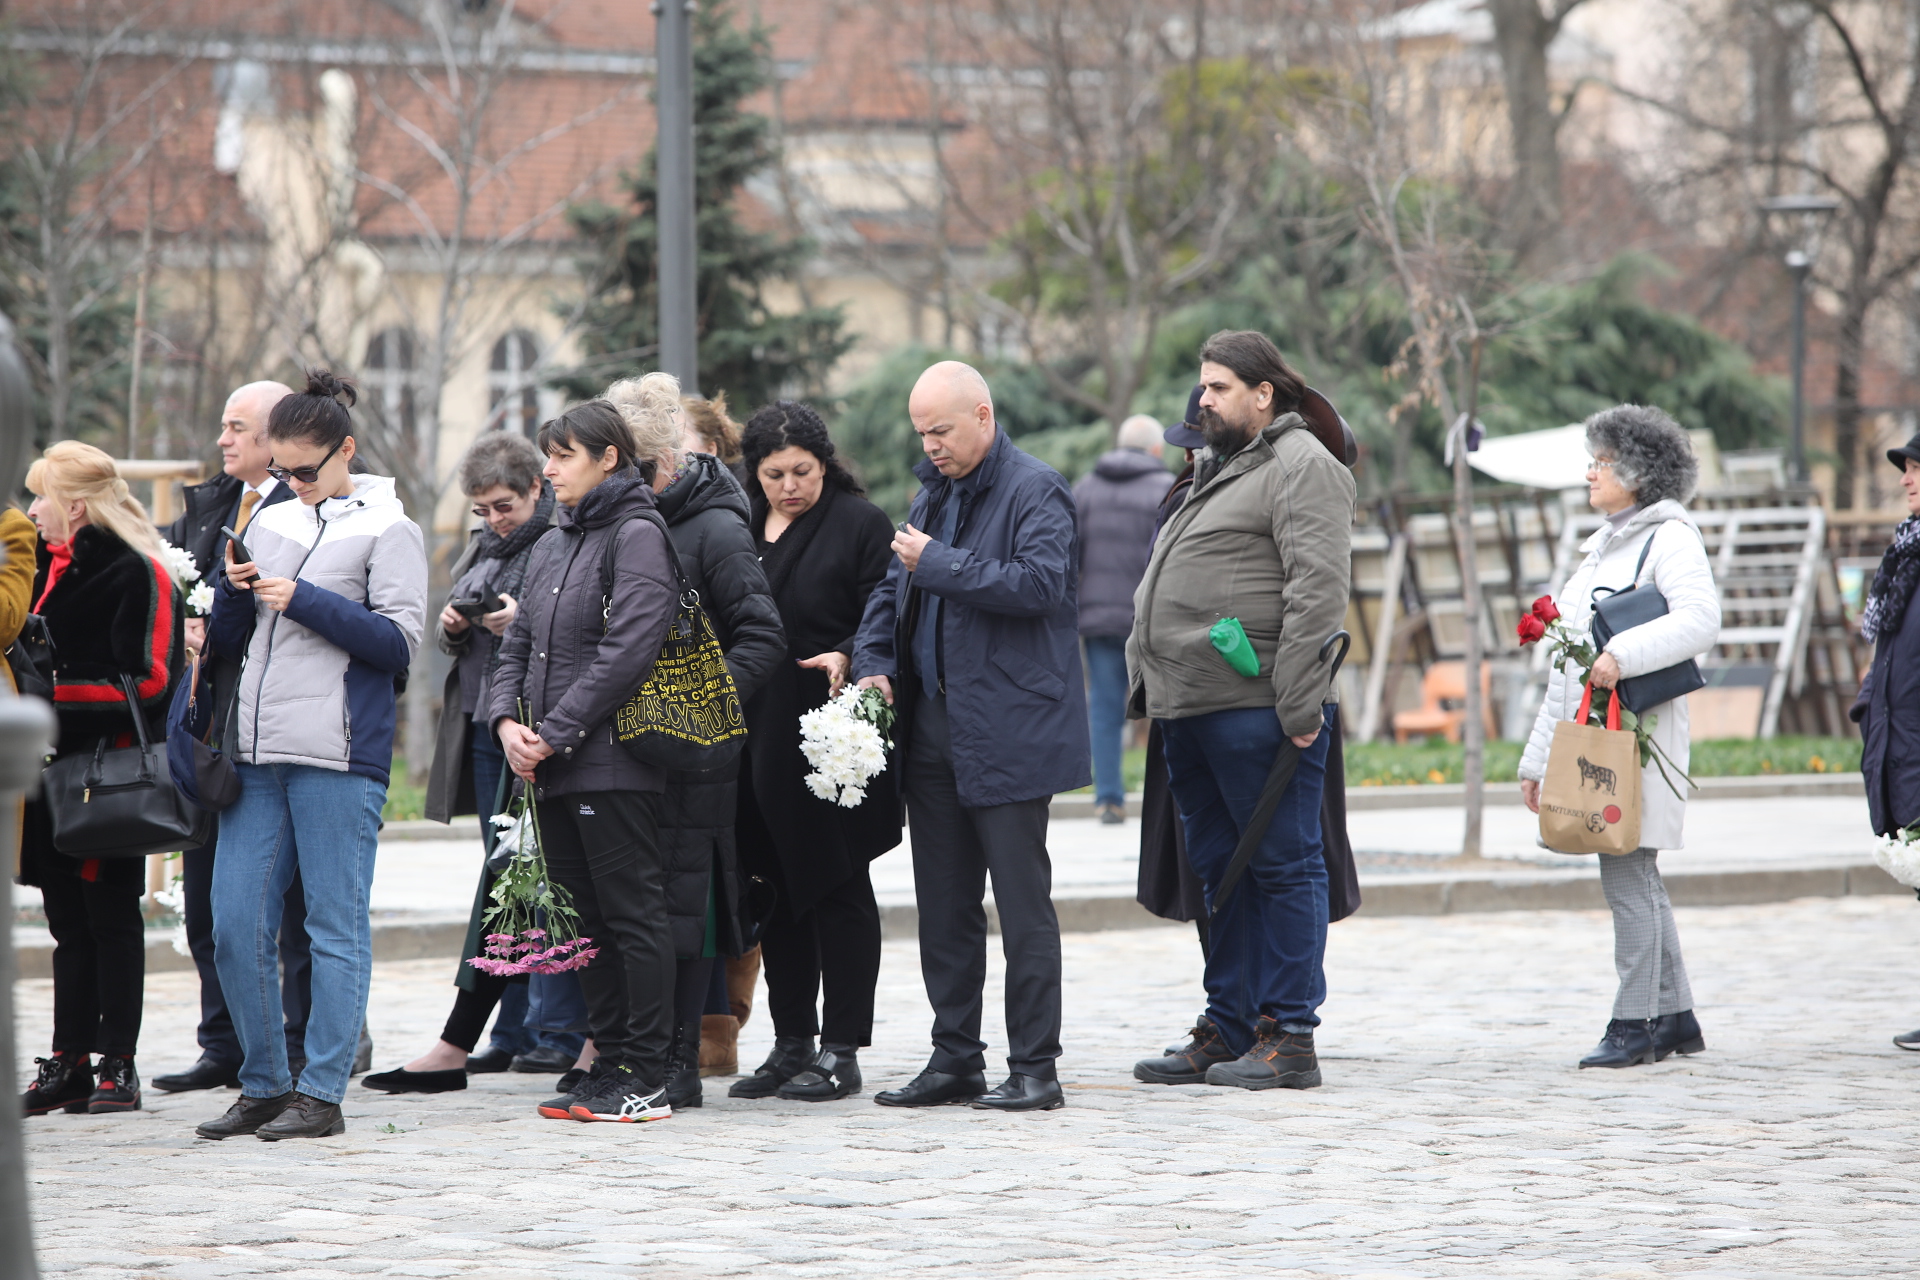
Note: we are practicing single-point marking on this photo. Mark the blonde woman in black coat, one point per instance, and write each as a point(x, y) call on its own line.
point(825, 547)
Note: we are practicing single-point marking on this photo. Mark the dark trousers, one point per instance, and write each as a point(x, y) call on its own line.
point(99, 951)
point(217, 1038)
point(834, 945)
point(955, 848)
point(603, 847)
point(1265, 950)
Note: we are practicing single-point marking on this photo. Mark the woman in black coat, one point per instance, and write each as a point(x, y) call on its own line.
point(825, 547)
point(1888, 708)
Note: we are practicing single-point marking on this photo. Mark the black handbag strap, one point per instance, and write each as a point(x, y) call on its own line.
point(1646, 549)
point(133, 706)
point(1279, 778)
point(689, 598)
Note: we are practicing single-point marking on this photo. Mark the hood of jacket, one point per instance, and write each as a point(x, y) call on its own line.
point(705, 485)
point(1126, 464)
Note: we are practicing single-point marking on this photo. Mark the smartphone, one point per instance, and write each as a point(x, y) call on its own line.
point(240, 553)
point(474, 610)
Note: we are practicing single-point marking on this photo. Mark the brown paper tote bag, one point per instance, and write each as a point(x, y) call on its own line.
point(1590, 801)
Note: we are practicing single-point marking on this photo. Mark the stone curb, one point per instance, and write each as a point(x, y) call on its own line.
point(440, 936)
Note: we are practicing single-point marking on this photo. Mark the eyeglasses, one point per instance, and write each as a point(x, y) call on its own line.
point(1599, 464)
point(306, 475)
point(504, 507)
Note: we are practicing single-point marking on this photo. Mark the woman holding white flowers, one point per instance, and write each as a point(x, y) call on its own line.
point(825, 547)
point(1642, 470)
point(112, 612)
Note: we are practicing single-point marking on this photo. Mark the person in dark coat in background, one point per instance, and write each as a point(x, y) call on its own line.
point(706, 513)
point(972, 635)
point(232, 499)
point(825, 548)
point(1888, 707)
point(1117, 501)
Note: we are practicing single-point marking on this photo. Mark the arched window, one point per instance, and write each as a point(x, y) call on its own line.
point(389, 377)
point(510, 378)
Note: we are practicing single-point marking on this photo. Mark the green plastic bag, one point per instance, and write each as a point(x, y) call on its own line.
point(1230, 639)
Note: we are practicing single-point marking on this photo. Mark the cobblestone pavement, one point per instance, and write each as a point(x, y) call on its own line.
point(1453, 1138)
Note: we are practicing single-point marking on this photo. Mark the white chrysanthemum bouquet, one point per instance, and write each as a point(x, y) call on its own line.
point(1899, 855)
point(845, 741)
point(180, 565)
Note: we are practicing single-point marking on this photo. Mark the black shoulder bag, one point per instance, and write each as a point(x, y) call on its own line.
point(120, 802)
point(1624, 609)
point(686, 714)
point(30, 657)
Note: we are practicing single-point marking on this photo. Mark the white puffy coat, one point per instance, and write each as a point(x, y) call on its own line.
point(1677, 566)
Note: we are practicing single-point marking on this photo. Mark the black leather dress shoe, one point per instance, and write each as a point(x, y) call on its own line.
point(1676, 1033)
point(304, 1117)
point(935, 1089)
point(204, 1074)
point(480, 1064)
point(1022, 1093)
point(1628, 1043)
point(1911, 1040)
point(835, 1073)
point(245, 1116)
point(790, 1056)
point(541, 1060)
point(401, 1080)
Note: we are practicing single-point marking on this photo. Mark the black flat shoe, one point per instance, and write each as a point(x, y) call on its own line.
point(791, 1055)
point(482, 1064)
point(401, 1080)
point(1911, 1040)
point(1022, 1093)
point(539, 1061)
point(1676, 1033)
point(570, 1080)
point(65, 1083)
point(245, 1116)
point(304, 1117)
point(204, 1074)
point(935, 1089)
point(1628, 1043)
point(835, 1073)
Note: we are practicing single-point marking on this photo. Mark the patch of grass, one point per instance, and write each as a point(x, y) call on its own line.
point(1750, 757)
point(1389, 764)
point(405, 802)
point(1386, 764)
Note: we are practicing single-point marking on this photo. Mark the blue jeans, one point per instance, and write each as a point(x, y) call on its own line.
point(326, 824)
point(1107, 713)
point(1265, 950)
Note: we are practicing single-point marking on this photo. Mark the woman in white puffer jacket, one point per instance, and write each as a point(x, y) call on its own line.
point(1643, 469)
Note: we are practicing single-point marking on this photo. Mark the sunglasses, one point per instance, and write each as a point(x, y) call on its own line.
point(504, 507)
point(306, 475)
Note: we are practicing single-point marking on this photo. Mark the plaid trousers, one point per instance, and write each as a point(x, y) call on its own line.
point(1646, 946)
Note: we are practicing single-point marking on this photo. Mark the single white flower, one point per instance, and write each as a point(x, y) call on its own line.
point(179, 564)
point(200, 600)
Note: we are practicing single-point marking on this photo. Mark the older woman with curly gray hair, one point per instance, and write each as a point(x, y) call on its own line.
point(1642, 470)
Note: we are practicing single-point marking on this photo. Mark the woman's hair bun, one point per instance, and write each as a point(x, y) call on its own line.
point(324, 382)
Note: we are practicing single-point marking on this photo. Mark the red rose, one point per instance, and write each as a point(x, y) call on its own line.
point(1546, 610)
point(1531, 629)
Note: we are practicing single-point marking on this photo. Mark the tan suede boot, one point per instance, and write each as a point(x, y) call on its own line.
point(743, 972)
point(719, 1045)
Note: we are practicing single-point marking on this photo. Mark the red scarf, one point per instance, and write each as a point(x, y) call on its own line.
point(62, 556)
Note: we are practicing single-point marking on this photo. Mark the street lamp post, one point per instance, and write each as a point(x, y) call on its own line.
point(1810, 213)
point(673, 192)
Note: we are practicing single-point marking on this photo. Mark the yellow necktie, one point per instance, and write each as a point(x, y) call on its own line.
point(248, 501)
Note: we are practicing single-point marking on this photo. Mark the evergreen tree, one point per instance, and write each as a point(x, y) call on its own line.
point(746, 350)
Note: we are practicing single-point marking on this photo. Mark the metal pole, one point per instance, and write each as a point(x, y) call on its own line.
point(1799, 266)
point(26, 730)
point(1473, 732)
point(673, 59)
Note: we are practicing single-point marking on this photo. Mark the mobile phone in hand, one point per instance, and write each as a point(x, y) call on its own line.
point(474, 610)
point(240, 553)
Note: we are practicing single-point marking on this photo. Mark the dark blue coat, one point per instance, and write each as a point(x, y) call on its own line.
point(1009, 628)
point(1888, 712)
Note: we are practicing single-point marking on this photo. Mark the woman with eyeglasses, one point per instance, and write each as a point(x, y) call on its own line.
point(327, 608)
point(501, 475)
point(1643, 469)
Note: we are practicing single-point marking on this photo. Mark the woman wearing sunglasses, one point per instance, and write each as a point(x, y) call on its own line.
point(326, 612)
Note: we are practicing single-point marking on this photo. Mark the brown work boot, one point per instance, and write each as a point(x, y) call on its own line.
point(1187, 1064)
point(719, 1045)
point(742, 972)
point(1278, 1060)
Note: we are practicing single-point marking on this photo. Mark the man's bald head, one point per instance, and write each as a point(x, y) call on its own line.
point(244, 451)
point(952, 410)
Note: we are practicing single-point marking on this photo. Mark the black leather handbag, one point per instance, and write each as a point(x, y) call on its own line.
point(1630, 607)
point(120, 802)
point(30, 657)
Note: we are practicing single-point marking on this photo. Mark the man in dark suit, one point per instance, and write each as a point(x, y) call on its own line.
point(972, 636)
point(232, 499)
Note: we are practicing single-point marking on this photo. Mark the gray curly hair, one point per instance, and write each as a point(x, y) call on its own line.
point(1651, 454)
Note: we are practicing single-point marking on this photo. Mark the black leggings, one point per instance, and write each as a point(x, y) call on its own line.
point(99, 953)
point(471, 1009)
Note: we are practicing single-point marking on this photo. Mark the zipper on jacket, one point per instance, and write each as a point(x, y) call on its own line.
point(266, 663)
point(346, 706)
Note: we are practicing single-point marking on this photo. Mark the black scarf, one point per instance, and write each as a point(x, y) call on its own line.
point(597, 507)
point(1893, 583)
point(779, 557)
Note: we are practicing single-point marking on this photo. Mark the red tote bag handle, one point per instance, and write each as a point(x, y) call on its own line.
point(1586, 707)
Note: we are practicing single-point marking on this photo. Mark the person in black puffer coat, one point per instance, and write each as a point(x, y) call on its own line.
point(706, 513)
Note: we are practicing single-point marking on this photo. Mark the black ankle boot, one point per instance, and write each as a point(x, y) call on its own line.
point(65, 1082)
point(683, 1069)
point(835, 1073)
point(791, 1055)
point(1676, 1033)
point(119, 1087)
point(1628, 1043)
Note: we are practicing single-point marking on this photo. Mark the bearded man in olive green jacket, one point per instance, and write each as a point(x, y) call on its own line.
point(1264, 537)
